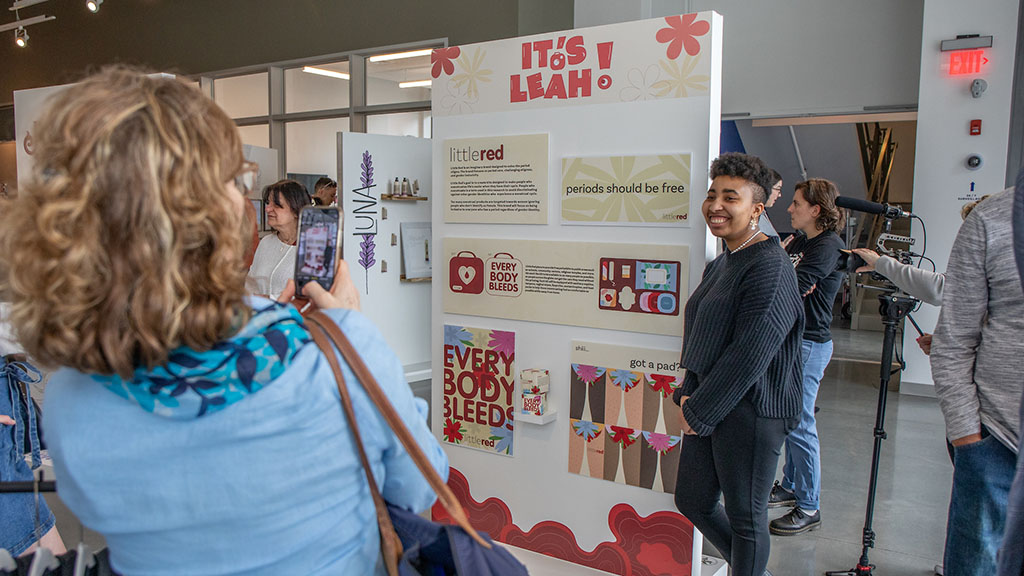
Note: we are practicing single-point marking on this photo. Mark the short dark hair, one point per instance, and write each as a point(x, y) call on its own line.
point(776, 177)
point(287, 193)
point(823, 193)
point(324, 182)
point(749, 168)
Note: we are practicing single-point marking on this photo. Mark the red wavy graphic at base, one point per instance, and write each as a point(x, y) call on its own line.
point(655, 545)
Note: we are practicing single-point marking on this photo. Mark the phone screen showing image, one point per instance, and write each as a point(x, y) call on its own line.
point(319, 246)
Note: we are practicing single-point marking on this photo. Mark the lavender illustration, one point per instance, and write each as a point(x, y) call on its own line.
point(366, 247)
point(366, 257)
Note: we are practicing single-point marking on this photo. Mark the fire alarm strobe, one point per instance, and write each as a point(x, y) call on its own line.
point(976, 127)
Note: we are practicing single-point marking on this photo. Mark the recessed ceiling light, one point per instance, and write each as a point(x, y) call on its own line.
point(322, 72)
point(414, 84)
point(400, 55)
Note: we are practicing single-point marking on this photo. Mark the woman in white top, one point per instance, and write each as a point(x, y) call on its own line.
point(274, 261)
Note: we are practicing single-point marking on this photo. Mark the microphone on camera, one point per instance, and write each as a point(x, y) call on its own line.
point(887, 210)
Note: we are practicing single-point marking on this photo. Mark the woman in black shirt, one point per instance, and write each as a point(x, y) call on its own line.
point(815, 255)
point(741, 351)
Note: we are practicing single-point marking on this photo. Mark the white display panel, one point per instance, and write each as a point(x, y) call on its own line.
point(367, 167)
point(641, 113)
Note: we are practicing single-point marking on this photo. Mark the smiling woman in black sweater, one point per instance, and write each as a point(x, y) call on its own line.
point(741, 351)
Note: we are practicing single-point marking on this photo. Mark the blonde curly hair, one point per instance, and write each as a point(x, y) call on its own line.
point(126, 244)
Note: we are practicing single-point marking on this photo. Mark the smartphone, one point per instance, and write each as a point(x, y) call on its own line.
point(319, 246)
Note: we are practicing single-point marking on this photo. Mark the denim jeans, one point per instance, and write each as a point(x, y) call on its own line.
point(23, 522)
point(801, 473)
point(982, 474)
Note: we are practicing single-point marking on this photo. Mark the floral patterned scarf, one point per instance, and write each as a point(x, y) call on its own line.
point(194, 384)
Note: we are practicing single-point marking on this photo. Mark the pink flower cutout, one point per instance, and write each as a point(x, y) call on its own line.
point(442, 59)
point(681, 33)
point(503, 342)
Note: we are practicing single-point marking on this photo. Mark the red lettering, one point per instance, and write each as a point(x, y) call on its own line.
point(535, 85)
point(449, 381)
point(527, 56)
point(576, 51)
point(556, 87)
point(515, 93)
point(448, 356)
point(541, 47)
point(472, 382)
point(579, 83)
point(463, 359)
point(447, 407)
point(497, 416)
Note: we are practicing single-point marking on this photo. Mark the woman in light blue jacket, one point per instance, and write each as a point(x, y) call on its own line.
point(196, 427)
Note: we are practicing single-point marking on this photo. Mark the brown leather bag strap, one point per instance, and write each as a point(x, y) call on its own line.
point(391, 545)
point(355, 362)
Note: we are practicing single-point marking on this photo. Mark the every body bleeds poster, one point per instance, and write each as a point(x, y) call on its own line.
point(479, 388)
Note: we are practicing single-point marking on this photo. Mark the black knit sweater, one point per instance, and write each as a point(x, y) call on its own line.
point(742, 338)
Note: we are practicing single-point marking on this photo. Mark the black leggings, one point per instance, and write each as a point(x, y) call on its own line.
point(739, 461)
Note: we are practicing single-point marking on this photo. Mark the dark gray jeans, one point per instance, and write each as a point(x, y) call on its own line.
point(737, 461)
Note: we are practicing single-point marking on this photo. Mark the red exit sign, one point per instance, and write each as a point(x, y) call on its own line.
point(966, 62)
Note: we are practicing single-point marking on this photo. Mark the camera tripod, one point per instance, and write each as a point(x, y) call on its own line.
point(894, 307)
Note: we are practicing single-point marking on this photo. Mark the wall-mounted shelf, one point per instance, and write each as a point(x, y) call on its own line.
point(547, 417)
point(404, 279)
point(402, 198)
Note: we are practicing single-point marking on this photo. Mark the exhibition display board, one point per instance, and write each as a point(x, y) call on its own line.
point(386, 235)
point(571, 168)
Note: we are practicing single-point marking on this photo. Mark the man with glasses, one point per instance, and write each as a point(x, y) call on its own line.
point(773, 195)
point(325, 192)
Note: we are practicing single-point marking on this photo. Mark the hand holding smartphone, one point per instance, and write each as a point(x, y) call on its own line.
point(319, 246)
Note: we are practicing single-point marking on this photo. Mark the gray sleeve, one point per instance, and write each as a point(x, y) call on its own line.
point(766, 225)
point(914, 281)
point(958, 332)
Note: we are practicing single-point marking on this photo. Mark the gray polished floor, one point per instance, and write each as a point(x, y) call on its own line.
point(913, 486)
point(914, 481)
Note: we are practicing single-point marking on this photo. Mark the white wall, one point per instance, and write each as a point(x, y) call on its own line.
point(800, 56)
point(941, 182)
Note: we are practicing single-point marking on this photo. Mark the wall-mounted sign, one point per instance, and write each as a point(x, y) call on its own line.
point(642, 190)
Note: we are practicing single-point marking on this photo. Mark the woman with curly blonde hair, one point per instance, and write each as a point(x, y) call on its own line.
point(193, 425)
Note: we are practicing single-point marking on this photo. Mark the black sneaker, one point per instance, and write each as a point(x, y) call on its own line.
point(780, 497)
point(796, 522)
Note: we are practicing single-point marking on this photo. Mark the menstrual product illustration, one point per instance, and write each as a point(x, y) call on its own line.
point(624, 426)
point(643, 286)
point(466, 273)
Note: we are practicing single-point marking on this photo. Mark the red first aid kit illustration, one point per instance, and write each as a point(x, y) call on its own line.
point(466, 273)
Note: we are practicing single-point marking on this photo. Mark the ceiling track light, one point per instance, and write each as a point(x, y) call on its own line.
point(93, 5)
point(19, 4)
point(21, 37)
point(23, 22)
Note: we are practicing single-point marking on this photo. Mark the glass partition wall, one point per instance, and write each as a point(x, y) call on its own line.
point(298, 107)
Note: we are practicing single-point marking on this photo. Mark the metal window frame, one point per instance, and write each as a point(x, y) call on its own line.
point(277, 119)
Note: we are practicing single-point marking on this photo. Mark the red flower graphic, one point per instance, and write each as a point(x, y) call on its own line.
point(624, 436)
point(453, 431)
point(681, 33)
point(664, 384)
point(441, 58)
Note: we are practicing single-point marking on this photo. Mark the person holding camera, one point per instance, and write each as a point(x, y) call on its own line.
point(195, 426)
point(815, 254)
point(741, 351)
